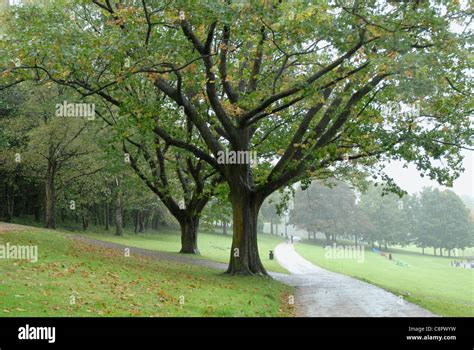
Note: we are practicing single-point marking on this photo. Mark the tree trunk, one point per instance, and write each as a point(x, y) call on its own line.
point(50, 198)
point(10, 203)
point(271, 227)
point(244, 257)
point(224, 227)
point(106, 219)
point(135, 221)
point(85, 218)
point(141, 222)
point(328, 238)
point(118, 216)
point(189, 230)
point(423, 250)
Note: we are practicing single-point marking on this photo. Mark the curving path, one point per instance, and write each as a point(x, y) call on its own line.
point(321, 293)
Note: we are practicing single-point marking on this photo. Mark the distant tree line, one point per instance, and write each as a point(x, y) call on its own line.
point(433, 218)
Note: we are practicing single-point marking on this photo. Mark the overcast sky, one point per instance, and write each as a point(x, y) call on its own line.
point(410, 180)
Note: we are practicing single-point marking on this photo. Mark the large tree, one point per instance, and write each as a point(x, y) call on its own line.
point(183, 183)
point(388, 216)
point(304, 84)
point(51, 147)
point(444, 221)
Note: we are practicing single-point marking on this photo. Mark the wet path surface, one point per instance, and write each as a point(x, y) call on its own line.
point(322, 293)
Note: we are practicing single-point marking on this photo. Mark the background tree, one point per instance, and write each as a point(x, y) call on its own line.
point(387, 214)
point(218, 211)
point(324, 207)
point(270, 212)
point(444, 221)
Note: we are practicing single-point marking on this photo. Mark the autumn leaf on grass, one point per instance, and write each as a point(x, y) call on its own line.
point(111, 274)
point(135, 312)
point(164, 297)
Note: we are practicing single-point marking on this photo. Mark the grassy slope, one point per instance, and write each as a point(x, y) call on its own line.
point(428, 281)
point(212, 246)
point(108, 284)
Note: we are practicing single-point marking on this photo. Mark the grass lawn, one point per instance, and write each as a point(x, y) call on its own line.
point(428, 281)
point(212, 246)
point(106, 283)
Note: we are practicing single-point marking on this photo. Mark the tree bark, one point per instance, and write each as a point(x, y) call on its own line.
point(106, 211)
point(224, 227)
point(189, 230)
point(10, 203)
point(244, 257)
point(135, 221)
point(118, 216)
point(50, 197)
point(141, 222)
point(85, 219)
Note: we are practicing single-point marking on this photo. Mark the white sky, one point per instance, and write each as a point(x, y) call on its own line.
point(410, 180)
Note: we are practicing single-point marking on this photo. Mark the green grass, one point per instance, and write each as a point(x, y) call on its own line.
point(428, 281)
point(212, 246)
point(106, 283)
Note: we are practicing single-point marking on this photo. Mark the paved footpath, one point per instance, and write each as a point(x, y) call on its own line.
point(322, 293)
